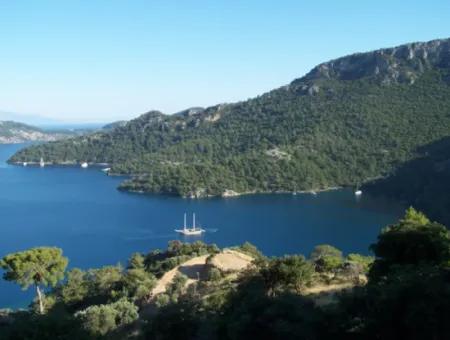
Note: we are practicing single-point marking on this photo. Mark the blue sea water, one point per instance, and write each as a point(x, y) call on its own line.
point(82, 212)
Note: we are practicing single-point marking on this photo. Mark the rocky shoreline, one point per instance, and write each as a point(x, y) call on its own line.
point(197, 194)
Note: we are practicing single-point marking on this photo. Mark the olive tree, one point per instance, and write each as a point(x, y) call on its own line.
point(43, 266)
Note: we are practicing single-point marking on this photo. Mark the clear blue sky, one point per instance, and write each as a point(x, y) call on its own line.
point(99, 60)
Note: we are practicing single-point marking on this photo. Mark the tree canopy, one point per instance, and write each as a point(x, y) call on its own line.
point(38, 266)
point(405, 295)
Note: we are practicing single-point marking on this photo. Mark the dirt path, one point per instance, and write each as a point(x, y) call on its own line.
point(190, 268)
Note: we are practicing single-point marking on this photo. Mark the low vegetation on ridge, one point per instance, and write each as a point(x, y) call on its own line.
point(403, 290)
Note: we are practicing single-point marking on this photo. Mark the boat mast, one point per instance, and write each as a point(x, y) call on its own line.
point(193, 221)
point(184, 222)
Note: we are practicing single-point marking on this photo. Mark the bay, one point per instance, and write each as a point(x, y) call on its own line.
point(82, 212)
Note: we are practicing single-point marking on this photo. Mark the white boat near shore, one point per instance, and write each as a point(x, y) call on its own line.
point(84, 165)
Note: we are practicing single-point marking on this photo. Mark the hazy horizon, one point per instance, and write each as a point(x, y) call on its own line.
point(109, 60)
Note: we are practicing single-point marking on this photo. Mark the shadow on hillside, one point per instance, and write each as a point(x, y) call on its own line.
point(423, 182)
point(194, 271)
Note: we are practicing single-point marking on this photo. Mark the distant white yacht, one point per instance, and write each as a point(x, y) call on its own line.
point(24, 163)
point(358, 193)
point(190, 231)
point(106, 169)
point(41, 163)
point(84, 165)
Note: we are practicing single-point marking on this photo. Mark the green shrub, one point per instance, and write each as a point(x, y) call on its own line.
point(102, 319)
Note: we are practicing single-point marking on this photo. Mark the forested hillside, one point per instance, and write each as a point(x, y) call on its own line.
point(423, 182)
point(348, 121)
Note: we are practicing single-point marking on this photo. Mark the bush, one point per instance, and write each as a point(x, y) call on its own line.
point(102, 319)
point(364, 261)
point(105, 281)
point(251, 250)
point(162, 300)
point(76, 288)
point(214, 274)
point(328, 263)
point(288, 271)
point(325, 250)
point(138, 283)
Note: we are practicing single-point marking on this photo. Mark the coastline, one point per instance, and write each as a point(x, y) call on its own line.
point(198, 194)
point(236, 195)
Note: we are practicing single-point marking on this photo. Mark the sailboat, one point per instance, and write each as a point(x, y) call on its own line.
point(190, 231)
point(41, 163)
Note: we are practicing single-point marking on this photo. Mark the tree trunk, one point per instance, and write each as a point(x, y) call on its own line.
point(41, 303)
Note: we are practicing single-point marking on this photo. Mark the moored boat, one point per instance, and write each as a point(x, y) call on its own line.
point(190, 231)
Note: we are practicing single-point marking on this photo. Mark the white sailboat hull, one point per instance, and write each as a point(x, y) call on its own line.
point(190, 232)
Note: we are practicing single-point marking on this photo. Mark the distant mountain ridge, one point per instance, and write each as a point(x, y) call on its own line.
point(29, 119)
point(344, 123)
point(14, 132)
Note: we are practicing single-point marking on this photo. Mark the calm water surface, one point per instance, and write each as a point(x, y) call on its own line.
point(80, 211)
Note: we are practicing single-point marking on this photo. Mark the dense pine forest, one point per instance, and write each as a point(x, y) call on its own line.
point(401, 292)
point(347, 122)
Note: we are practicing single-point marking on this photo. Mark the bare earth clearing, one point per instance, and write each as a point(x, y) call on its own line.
point(226, 261)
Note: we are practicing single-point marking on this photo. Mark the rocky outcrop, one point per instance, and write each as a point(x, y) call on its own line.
point(230, 193)
point(198, 193)
point(402, 64)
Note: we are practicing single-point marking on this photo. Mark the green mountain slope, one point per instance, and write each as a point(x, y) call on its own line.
point(347, 121)
point(423, 182)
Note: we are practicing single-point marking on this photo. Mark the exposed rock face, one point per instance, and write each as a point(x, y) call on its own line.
point(198, 193)
point(192, 111)
point(402, 64)
point(230, 193)
point(278, 154)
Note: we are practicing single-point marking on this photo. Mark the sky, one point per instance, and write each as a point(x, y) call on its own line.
point(104, 60)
